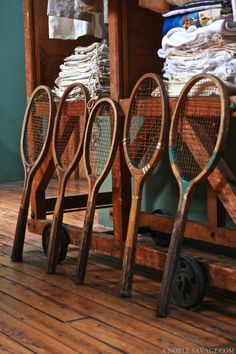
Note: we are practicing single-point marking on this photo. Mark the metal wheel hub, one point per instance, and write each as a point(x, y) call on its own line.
point(190, 283)
point(65, 240)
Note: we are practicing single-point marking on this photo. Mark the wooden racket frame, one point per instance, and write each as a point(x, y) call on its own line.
point(139, 177)
point(224, 124)
point(63, 176)
point(94, 185)
point(186, 188)
point(29, 172)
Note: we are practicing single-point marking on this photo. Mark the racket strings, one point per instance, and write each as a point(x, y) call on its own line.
point(37, 126)
point(100, 140)
point(197, 133)
point(68, 134)
point(144, 124)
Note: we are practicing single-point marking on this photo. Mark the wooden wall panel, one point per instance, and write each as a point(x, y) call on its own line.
point(143, 40)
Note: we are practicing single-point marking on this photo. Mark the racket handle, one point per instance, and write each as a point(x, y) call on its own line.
point(127, 271)
point(172, 259)
point(55, 236)
point(19, 239)
point(85, 241)
point(131, 241)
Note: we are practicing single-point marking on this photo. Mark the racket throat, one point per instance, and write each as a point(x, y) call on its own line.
point(186, 190)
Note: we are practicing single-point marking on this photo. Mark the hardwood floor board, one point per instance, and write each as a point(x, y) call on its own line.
point(35, 299)
point(84, 306)
point(72, 337)
point(228, 348)
point(219, 312)
point(29, 337)
point(139, 298)
point(221, 302)
point(118, 338)
point(192, 330)
point(9, 346)
point(125, 307)
point(53, 311)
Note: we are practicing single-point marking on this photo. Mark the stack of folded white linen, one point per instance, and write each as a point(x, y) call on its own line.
point(88, 66)
point(193, 50)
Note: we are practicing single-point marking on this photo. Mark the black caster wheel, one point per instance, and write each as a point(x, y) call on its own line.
point(190, 283)
point(65, 240)
point(161, 239)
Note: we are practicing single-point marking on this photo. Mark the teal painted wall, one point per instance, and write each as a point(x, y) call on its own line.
point(12, 95)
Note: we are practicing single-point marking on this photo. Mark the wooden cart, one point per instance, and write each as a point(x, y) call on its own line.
point(134, 37)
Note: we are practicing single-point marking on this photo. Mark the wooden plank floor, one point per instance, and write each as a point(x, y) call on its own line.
point(42, 313)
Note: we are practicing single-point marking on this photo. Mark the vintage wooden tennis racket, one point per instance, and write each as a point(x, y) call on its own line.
point(35, 141)
point(145, 135)
point(197, 138)
point(68, 137)
point(99, 152)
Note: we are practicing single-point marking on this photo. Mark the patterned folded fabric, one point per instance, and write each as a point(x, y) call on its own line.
point(61, 8)
point(193, 7)
point(69, 28)
point(180, 2)
point(193, 36)
point(198, 19)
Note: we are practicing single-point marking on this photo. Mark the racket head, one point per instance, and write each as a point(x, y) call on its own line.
point(146, 124)
point(199, 128)
point(69, 128)
point(37, 126)
point(101, 139)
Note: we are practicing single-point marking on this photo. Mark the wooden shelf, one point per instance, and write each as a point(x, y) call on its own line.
point(132, 51)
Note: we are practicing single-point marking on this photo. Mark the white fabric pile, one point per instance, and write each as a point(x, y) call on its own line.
point(74, 18)
point(191, 51)
point(88, 66)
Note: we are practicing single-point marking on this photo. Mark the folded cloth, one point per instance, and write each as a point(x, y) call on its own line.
point(183, 21)
point(179, 37)
point(68, 28)
point(174, 88)
point(89, 66)
point(180, 2)
point(234, 9)
point(88, 5)
point(213, 42)
point(198, 19)
point(219, 61)
point(230, 24)
point(61, 8)
point(197, 7)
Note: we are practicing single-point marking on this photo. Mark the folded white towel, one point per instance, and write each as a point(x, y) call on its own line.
point(191, 9)
point(179, 37)
point(89, 66)
point(234, 9)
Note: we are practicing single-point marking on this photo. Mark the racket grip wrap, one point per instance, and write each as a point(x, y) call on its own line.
point(18, 244)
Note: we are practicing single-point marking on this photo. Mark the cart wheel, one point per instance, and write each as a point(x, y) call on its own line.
point(190, 283)
point(65, 240)
point(161, 239)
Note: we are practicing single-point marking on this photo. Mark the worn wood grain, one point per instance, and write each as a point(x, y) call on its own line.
point(62, 306)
